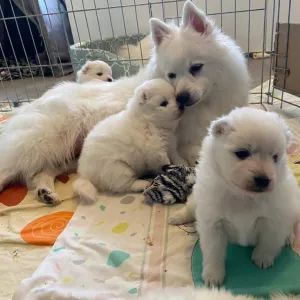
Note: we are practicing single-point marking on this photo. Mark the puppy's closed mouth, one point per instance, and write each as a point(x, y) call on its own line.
point(251, 189)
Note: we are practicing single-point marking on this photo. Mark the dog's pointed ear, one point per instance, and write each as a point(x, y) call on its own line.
point(194, 18)
point(159, 31)
point(220, 127)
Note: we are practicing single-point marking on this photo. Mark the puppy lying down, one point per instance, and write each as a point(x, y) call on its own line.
point(133, 143)
point(94, 70)
point(245, 193)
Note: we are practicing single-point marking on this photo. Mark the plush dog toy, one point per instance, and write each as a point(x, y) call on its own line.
point(174, 184)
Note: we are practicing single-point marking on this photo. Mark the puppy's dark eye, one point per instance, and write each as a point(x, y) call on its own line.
point(242, 154)
point(164, 103)
point(195, 69)
point(100, 74)
point(275, 158)
point(172, 75)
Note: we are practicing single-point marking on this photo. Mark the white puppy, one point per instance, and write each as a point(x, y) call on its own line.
point(131, 144)
point(94, 70)
point(190, 293)
point(206, 68)
point(245, 192)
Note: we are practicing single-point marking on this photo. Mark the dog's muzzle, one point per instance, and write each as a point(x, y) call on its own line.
point(261, 183)
point(184, 99)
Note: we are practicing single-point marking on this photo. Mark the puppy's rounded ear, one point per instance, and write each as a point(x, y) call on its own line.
point(195, 18)
point(220, 127)
point(287, 131)
point(142, 95)
point(159, 31)
point(86, 67)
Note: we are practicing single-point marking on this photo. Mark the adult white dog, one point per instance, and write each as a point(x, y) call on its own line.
point(245, 192)
point(206, 68)
point(134, 143)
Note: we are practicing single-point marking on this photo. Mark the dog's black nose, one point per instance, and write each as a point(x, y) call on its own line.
point(183, 99)
point(261, 182)
point(109, 80)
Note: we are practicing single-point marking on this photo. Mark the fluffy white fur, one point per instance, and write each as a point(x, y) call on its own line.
point(94, 70)
point(139, 53)
point(49, 132)
point(190, 293)
point(131, 144)
point(231, 204)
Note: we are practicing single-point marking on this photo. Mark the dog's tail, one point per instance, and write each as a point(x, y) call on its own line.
point(86, 191)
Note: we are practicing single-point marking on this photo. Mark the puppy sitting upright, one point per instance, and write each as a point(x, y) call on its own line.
point(245, 192)
point(94, 70)
point(126, 146)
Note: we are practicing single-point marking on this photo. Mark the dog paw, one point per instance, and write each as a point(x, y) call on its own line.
point(263, 260)
point(213, 277)
point(182, 216)
point(140, 186)
point(290, 240)
point(177, 218)
point(48, 197)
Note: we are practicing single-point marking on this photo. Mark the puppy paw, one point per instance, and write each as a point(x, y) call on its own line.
point(213, 277)
point(178, 218)
point(182, 216)
point(139, 186)
point(262, 259)
point(290, 240)
point(47, 196)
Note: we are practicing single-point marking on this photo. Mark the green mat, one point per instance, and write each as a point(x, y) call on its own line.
point(244, 277)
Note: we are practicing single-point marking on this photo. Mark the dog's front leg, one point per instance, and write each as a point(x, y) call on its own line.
point(174, 155)
point(190, 154)
point(213, 243)
point(271, 238)
point(175, 158)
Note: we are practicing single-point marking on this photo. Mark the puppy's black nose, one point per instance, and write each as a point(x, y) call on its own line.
point(183, 98)
point(261, 181)
point(109, 80)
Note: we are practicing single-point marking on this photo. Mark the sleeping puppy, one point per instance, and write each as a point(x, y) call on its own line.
point(94, 70)
point(131, 144)
point(245, 193)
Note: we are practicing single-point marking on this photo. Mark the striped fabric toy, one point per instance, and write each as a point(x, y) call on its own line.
point(174, 184)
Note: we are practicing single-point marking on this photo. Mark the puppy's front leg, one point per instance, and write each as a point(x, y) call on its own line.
point(271, 238)
point(174, 155)
point(213, 243)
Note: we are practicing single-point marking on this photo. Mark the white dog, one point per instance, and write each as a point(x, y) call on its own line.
point(245, 192)
point(130, 144)
point(190, 293)
point(205, 67)
point(94, 70)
